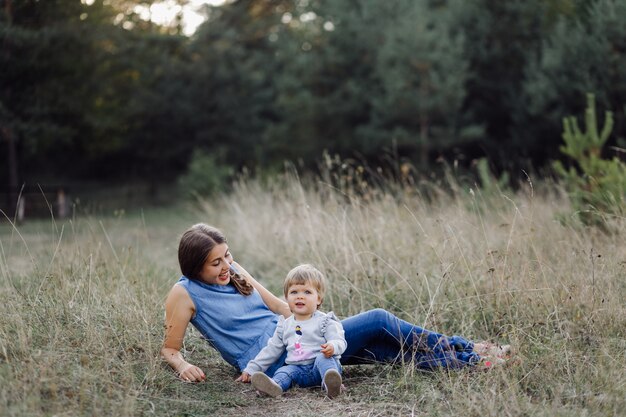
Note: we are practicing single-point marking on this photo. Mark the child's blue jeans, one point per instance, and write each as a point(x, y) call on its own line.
point(379, 336)
point(305, 375)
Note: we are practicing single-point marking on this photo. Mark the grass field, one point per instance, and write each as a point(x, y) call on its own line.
point(82, 301)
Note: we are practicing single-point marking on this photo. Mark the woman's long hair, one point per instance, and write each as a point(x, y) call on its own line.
point(194, 248)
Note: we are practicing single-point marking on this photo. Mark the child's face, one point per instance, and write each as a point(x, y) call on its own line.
point(216, 267)
point(303, 300)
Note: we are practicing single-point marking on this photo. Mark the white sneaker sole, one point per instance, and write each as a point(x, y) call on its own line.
point(266, 385)
point(332, 382)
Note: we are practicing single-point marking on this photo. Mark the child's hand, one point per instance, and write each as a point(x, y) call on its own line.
point(244, 377)
point(328, 349)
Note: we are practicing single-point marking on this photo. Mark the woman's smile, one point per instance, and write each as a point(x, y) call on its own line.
point(216, 269)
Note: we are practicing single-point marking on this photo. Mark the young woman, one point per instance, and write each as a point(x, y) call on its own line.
point(238, 316)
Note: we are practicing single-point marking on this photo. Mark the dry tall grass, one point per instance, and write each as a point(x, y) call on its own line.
point(82, 301)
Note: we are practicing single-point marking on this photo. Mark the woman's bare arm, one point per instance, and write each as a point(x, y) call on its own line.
point(179, 310)
point(274, 303)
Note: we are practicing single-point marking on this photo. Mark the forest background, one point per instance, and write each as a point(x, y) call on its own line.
point(91, 93)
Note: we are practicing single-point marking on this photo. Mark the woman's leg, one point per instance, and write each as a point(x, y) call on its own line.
point(379, 336)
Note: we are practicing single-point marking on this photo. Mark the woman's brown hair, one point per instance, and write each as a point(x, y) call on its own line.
point(194, 248)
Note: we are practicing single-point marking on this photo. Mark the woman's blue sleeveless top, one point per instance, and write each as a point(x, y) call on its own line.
point(237, 326)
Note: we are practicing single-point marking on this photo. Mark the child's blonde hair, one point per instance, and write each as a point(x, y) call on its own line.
point(306, 274)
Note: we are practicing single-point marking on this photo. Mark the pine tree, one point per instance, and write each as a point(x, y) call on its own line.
point(597, 186)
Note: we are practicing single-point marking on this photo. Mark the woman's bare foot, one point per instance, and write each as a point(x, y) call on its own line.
point(492, 355)
point(493, 350)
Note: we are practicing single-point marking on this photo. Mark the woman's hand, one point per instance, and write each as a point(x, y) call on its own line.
point(191, 373)
point(244, 377)
point(328, 349)
point(179, 309)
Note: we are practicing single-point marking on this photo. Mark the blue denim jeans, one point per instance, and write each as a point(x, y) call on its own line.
point(378, 336)
point(305, 375)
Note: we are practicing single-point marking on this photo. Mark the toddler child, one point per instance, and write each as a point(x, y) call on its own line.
point(314, 340)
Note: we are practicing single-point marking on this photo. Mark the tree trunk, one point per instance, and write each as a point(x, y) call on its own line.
point(12, 165)
point(8, 10)
point(8, 134)
point(423, 69)
point(424, 126)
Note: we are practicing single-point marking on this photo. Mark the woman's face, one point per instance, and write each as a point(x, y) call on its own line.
point(216, 269)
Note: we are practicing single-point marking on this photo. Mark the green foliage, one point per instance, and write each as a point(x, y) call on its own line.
point(489, 183)
point(216, 90)
point(91, 89)
point(205, 175)
point(72, 83)
point(597, 186)
point(581, 53)
point(364, 77)
point(499, 38)
point(423, 72)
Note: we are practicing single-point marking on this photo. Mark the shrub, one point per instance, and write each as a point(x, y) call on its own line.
point(205, 175)
point(596, 185)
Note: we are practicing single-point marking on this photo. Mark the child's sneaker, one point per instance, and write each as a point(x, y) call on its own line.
point(332, 383)
point(266, 385)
